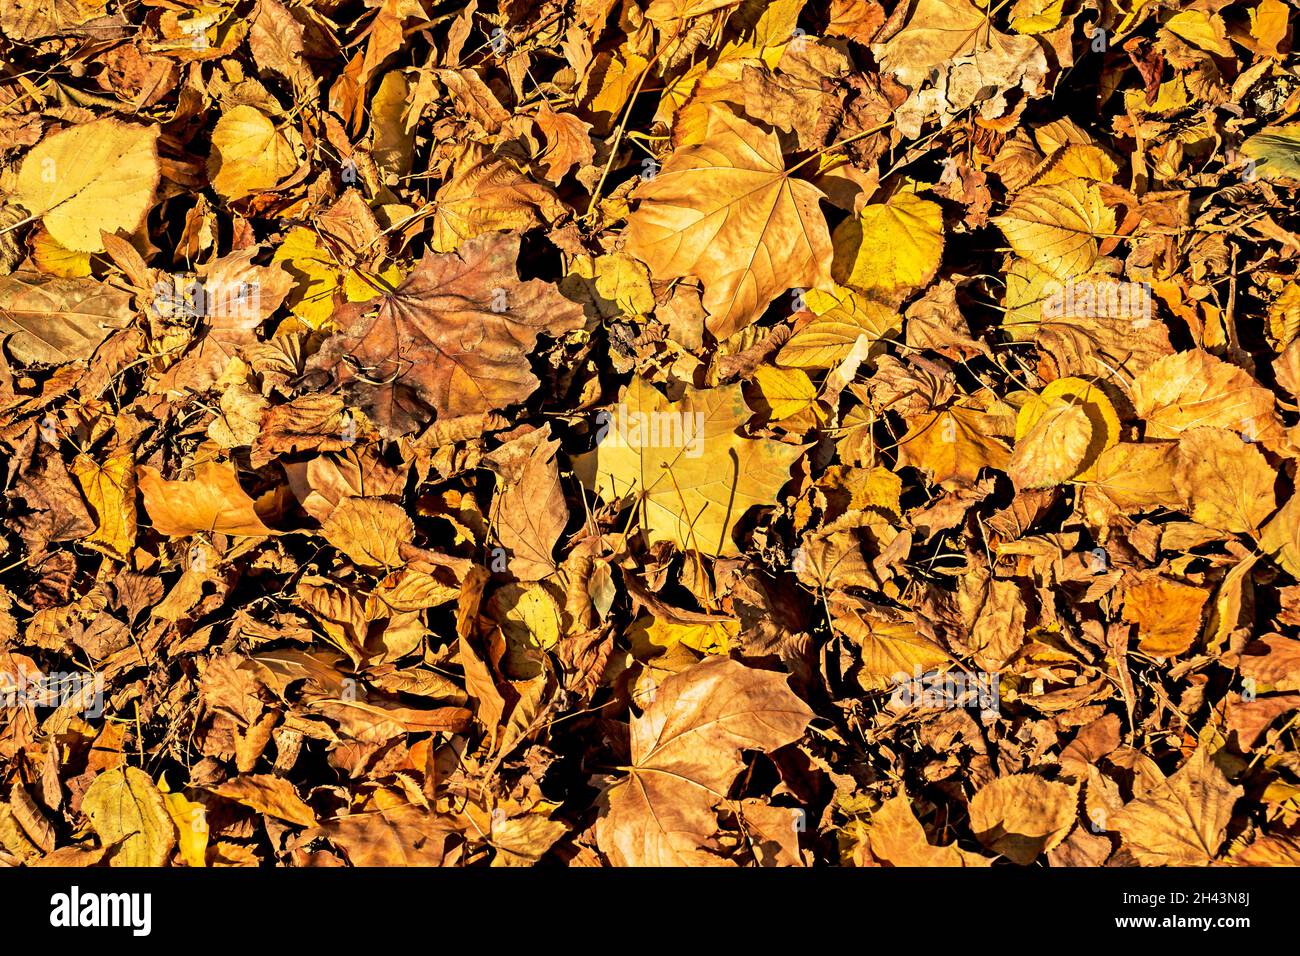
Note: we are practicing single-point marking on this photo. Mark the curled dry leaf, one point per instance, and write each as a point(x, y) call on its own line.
point(529, 511)
point(267, 794)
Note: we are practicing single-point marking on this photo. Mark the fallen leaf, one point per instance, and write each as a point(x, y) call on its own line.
point(249, 155)
point(896, 838)
point(91, 178)
point(1057, 227)
point(212, 501)
point(453, 338)
point(691, 473)
point(1227, 481)
point(1022, 816)
point(1167, 613)
point(55, 319)
point(891, 248)
point(1180, 820)
point(268, 794)
point(130, 818)
point(686, 751)
point(727, 212)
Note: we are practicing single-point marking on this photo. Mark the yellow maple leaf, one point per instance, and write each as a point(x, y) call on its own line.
point(110, 490)
point(952, 445)
point(487, 193)
point(727, 212)
point(685, 464)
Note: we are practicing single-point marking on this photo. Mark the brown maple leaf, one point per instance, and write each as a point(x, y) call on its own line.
point(453, 339)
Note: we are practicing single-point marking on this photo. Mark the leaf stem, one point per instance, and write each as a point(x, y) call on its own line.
point(21, 222)
point(844, 142)
point(622, 126)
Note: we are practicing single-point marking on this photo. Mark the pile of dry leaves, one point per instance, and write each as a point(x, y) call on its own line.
point(623, 432)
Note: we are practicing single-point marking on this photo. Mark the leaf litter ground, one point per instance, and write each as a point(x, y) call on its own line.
point(600, 432)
